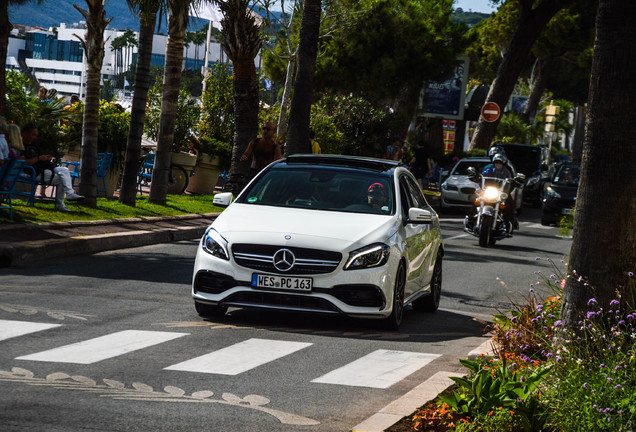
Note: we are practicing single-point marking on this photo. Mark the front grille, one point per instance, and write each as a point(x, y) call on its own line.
point(214, 283)
point(468, 190)
point(362, 295)
point(307, 262)
point(280, 301)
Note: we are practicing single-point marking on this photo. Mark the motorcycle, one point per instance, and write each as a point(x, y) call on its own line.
point(488, 223)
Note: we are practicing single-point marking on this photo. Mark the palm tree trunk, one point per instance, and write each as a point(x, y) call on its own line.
point(177, 24)
point(93, 44)
point(128, 190)
point(604, 237)
point(299, 113)
point(281, 128)
point(529, 25)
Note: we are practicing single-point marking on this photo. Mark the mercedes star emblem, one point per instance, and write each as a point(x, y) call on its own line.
point(284, 260)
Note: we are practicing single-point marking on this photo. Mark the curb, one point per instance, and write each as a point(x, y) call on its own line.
point(419, 396)
point(53, 225)
point(31, 251)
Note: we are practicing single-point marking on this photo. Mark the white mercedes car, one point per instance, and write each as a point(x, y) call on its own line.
point(323, 234)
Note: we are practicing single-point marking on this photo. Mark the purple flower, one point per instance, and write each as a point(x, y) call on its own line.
point(630, 274)
point(617, 386)
point(601, 366)
point(537, 259)
point(614, 303)
point(584, 385)
point(592, 301)
point(558, 323)
point(595, 406)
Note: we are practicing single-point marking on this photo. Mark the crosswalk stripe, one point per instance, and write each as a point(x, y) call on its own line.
point(11, 329)
point(379, 369)
point(240, 357)
point(104, 347)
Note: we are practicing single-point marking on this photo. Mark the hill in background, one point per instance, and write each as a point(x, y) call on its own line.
point(50, 13)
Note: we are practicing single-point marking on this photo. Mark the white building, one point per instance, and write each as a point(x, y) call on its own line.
point(55, 57)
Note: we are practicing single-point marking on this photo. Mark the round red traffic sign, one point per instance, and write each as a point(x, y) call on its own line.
point(490, 112)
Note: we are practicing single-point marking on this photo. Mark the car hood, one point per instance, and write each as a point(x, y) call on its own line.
point(460, 181)
point(244, 223)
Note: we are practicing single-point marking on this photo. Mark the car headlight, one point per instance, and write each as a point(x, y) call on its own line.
point(370, 256)
point(214, 244)
point(551, 193)
point(491, 193)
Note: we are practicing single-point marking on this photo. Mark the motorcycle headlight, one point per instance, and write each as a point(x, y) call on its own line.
point(370, 256)
point(491, 193)
point(551, 193)
point(214, 244)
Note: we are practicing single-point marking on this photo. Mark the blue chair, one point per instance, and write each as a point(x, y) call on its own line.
point(10, 175)
point(145, 173)
point(26, 185)
point(223, 179)
point(103, 166)
point(104, 161)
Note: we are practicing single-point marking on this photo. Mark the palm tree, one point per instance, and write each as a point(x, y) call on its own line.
point(198, 38)
point(129, 41)
point(147, 11)
point(93, 44)
point(5, 29)
point(299, 112)
point(117, 46)
point(177, 24)
point(241, 42)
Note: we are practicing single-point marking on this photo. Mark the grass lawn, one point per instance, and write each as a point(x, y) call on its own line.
point(108, 208)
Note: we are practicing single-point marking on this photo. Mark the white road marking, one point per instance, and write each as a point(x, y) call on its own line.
point(379, 369)
point(240, 357)
point(11, 329)
point(104, 347)
point(535, 225)
point(457, 236)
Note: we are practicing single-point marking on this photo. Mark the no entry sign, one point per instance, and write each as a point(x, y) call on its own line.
point(490, 112)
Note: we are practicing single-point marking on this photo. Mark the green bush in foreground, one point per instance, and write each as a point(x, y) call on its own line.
point(547, 378)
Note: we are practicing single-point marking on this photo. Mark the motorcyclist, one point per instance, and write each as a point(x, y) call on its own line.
point(498, 169)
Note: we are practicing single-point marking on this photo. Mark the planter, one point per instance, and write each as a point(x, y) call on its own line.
point(186, 160)
point(205, 176)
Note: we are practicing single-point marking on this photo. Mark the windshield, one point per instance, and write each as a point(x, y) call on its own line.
point(462, 167)
point(568, 175)
point(323, 188)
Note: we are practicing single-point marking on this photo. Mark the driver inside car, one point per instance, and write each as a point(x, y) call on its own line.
point(377, 197)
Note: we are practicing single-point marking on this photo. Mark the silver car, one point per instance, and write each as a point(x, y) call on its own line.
point(457, 191)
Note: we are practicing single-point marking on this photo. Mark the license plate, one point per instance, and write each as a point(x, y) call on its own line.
point(567, 211)
point(282, 282)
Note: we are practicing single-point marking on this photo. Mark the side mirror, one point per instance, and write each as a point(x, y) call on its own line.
point(223, 199)
point(419, 216)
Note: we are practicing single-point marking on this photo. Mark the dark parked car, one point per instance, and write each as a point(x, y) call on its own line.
point(560, 193)
point(531, 160)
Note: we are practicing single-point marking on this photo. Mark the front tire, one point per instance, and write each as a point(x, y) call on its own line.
point(484, 230)
point(394, 320)
point(430, 303)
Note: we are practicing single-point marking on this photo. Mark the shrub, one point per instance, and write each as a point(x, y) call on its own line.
point(218, 148)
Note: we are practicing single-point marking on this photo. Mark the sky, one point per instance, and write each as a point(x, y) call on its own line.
point(475, 5)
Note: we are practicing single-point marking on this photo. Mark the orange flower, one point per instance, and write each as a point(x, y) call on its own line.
point(490, 413)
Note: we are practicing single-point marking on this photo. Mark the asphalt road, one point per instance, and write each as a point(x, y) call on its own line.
point(112, 342)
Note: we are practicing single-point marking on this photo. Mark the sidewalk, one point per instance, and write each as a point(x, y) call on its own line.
point(21, 243)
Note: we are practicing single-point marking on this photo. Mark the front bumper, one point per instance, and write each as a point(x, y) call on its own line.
point(364, 293)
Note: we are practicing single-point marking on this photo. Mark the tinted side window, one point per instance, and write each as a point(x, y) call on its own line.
point(417, 198)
